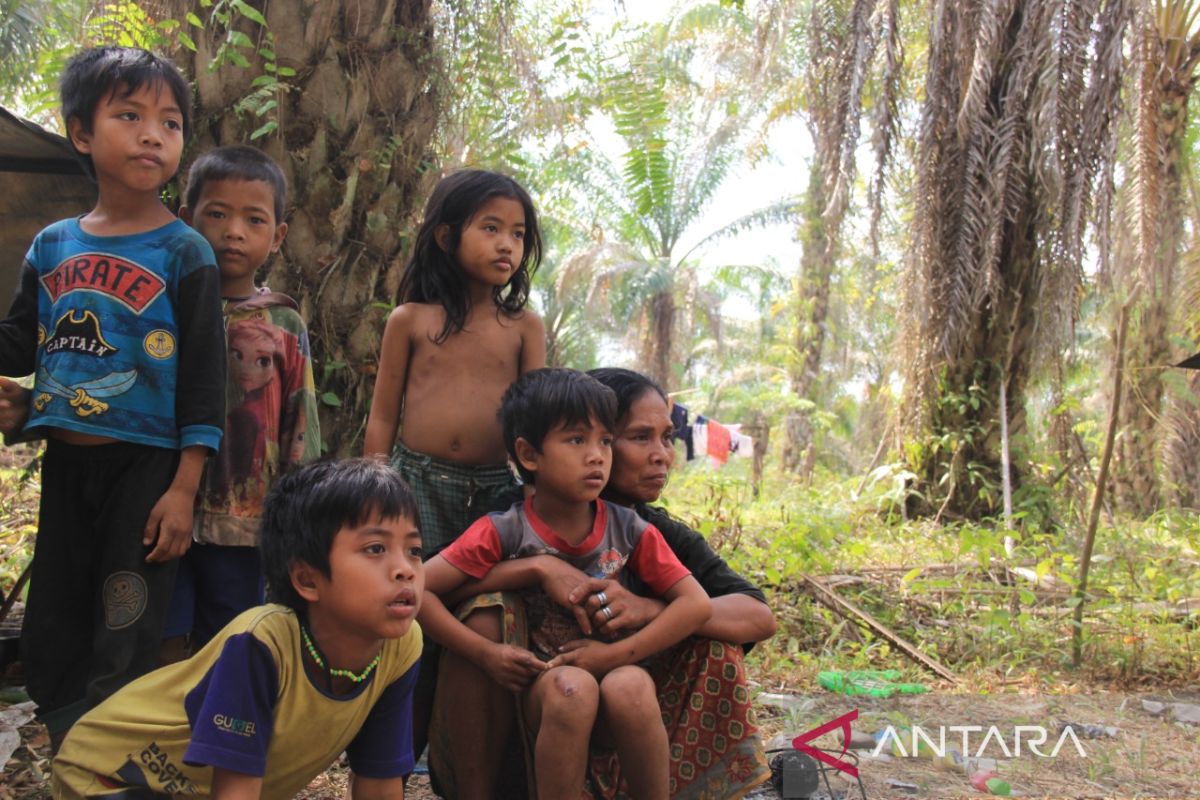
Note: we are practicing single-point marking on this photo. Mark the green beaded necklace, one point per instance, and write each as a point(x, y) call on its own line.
point(357, 677)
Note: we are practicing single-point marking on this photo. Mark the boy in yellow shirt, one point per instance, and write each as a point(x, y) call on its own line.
point(282, 690)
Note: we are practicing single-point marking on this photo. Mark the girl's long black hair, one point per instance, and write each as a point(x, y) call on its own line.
point(432, 274)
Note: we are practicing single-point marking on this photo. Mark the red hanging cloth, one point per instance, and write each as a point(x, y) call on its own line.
point(719, 442)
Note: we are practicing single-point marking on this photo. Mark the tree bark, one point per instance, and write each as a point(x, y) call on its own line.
point(1183, 445)
point(812, 311)
point(1165, 84)
point(662, 337)
point(1006, 165)
point(354, 127)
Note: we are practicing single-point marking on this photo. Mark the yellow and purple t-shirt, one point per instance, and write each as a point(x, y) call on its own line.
point(244, 703)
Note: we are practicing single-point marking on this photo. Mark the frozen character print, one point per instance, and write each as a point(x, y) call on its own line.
point(254, 346)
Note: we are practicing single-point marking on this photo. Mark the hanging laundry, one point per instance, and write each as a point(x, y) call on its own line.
point(735, 431)
point(700, 435)
point(683, 430)
point(742, 446)
point(718, 441)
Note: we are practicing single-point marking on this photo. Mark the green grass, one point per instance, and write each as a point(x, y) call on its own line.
point(18, 521)
point(989, 629)
point(991, 633)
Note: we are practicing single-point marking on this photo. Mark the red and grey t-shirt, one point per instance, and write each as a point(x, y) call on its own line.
point(620, 544)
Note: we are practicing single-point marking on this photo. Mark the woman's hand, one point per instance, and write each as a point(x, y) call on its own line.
point(595, 657)
point(512, 667)
point(561, 581)
point(626, 611)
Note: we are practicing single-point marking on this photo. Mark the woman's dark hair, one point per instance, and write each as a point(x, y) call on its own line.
point(628, 386)
point(98, 72)
point(236, 162)
point(307, 507)
point(432, 274)
point(544, 399)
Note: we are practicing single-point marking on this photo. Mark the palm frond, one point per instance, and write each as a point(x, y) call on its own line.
point(781, 212)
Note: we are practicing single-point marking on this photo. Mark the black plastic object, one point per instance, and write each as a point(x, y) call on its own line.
point(795, 775)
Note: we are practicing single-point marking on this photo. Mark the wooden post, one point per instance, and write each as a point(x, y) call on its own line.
point(760, 432)
point(1006, 467)
point(1101, 479)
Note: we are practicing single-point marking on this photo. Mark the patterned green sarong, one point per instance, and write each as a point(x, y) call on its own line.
point(450, 496)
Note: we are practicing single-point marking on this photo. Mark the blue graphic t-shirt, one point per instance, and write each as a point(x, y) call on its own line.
point(123, 334)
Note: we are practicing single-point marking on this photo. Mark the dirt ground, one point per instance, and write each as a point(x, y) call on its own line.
point(1150, 756)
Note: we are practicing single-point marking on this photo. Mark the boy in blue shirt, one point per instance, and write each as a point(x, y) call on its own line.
point(118, 316)
point(273, 699)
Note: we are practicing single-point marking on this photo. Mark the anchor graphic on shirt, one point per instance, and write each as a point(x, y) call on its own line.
point(83, 397)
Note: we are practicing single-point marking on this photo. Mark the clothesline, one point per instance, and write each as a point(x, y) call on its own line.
point(708, 437)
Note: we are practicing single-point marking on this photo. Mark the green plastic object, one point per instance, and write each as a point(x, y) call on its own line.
point(1000, 787)
point(873, 682)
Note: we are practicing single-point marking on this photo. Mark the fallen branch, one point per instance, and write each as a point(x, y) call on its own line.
point(887, 431)
point(1085, 561)
point(855, 614)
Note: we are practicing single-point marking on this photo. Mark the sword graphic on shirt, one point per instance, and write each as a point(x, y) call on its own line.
point(83, 397)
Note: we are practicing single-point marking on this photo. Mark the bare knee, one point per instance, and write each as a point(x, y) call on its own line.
point(569, 696)
point(627, 693)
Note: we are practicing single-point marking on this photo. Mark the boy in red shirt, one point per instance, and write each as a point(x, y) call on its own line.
point(558, 430)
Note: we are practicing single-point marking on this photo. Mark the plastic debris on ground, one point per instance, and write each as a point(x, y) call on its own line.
point(904, 787)
point(873, 682)
point(991, 783)
point(1091, 731)
point(1181, 712)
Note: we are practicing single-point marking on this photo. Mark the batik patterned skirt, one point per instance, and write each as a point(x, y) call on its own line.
point(706, 708)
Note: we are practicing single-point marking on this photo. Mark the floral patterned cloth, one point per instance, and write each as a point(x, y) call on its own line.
point(715, 751)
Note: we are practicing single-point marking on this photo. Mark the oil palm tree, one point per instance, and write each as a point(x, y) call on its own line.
point(684, 128)
point(1018, 120)
point(1166, 50)
point(340, 94)
point(836, 52)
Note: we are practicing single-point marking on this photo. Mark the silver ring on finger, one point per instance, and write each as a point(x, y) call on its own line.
point(607, 612)
point(602, 597)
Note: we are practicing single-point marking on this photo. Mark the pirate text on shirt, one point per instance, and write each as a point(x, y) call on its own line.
point(132, 285)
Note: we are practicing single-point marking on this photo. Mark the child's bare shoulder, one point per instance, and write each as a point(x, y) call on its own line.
point(531, 323)
point(524, 322)
point(412, 318)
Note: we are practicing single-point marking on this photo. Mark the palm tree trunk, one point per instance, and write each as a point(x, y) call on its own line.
point(1162, 123)
point(662, 337)
point(842, 42)
point(995, 254)
point(1183, 445)
point(1140, 448)
point(812, 310)
point(353, 128)
point(1000, 349)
